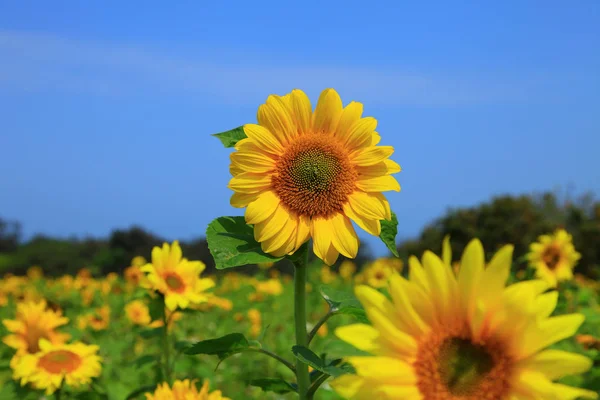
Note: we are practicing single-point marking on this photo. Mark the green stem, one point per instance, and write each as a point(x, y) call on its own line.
point(57, 394)
point(278, 358)
point(166, 347)
point(322, 321)
point(300, 272)
point(316, 384)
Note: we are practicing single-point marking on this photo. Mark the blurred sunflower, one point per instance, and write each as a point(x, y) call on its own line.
point(74, 364)
point(468, 337)
point(554, 257)
point(347, 270)
point(138, 313)
point(133, 274)
point(185, 389)
point(304, 174)
point(378, 273)
point(34, 321)
point(175, 277)
point(327, 275)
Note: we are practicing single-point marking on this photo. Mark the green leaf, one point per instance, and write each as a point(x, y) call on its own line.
point(275, 385)
point(222, 347)
point(343, 302)
point(308, 357)
point(231, 137)
point(144, 360)
point(151, 333)
point(389, 230)
point(231, 243)
point(144, 389)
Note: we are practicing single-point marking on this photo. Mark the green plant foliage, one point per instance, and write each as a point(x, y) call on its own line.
point(231, 243)
point(274, 385)
point(231, 137)
point(389, 230)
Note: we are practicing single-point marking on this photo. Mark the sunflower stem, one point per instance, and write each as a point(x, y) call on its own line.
point(319, 324)
point(57, 394)
point(300, 272)
point(166, 349)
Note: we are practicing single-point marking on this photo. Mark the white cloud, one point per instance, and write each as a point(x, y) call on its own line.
point(45, 62)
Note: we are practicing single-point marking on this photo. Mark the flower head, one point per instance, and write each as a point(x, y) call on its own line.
point(304, 174)
point(74, 364)
point(554, 257)
point(184, 390)
point(378, 273)
point(138, 313)
point(443, 337)
point(175, 277)
point(34, 321)
point(347, 270)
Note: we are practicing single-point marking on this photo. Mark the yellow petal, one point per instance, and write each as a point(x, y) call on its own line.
point(362, 336)
point(384, 369)
point(351, 113)
point(447, 250)
point(264, 138)
point(378, 184)
point(385, 167)
point(276, 245)
point(254, 162)
point(410, 319)
point(275, 116)
point(301, 110)
point(262, 208)
point(344, 237)
point(471, 268)
point(360, 133)
point(250, 183)
point(371, 226)
point(557, 363)
point(271, 226)
point(241, 200)
point(371, 155)
point(369, 205)
point(328, 112)
point(303, 232)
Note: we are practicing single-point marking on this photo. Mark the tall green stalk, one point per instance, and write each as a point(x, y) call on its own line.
point(300, 272)
point(166, 347)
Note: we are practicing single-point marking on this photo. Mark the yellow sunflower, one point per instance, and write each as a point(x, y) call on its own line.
point(34, 321)
point(469, 337)
point(75, 364)
point(347, 270)
point(304, 174)
point(138, 313)
point(378, 273)
point(554, 257)
point(175, 277)
point(185, 389)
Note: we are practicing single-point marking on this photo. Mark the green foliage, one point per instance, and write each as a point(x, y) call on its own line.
point(231, 243)
point(389, 230)
point(231, 137)
point(274, 385)
point(307, 356)
point(343, 302)
point(222, 347)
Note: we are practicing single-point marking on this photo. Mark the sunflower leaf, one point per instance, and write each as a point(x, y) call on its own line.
point(231, 137)
point(389, 230)
point(231, 243)
point(307, 356)
point(142, 390)
point(222, 347)
point(275, 385)
point(144, 360)
point(341, 302)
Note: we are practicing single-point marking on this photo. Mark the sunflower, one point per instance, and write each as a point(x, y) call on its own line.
point(185, 389)
point(554, 257)
point(34, 321)
point(469, 337)
point(347, 270)
point(138, 313)
point(75, 364)
point(303, 174)
point(378, 273)
point(175, 277)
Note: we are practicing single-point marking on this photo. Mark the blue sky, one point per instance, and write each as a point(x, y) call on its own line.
point(107, 108)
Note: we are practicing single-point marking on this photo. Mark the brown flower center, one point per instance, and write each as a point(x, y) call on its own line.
point(551, 257)
point(174, 282)
point(451, 366)
point(314, 177)
point(60, 361)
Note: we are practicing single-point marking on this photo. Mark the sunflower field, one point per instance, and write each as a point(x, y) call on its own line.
point(313, 322)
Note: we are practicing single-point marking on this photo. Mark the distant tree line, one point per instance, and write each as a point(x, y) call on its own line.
point(518, 220)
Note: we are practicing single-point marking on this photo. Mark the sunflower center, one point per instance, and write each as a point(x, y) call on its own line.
point(379, 275)
point(59, 361)
point(551, 257)
point(462, 365)
point(314, 177)
point(451, 366)
point(174, 282)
